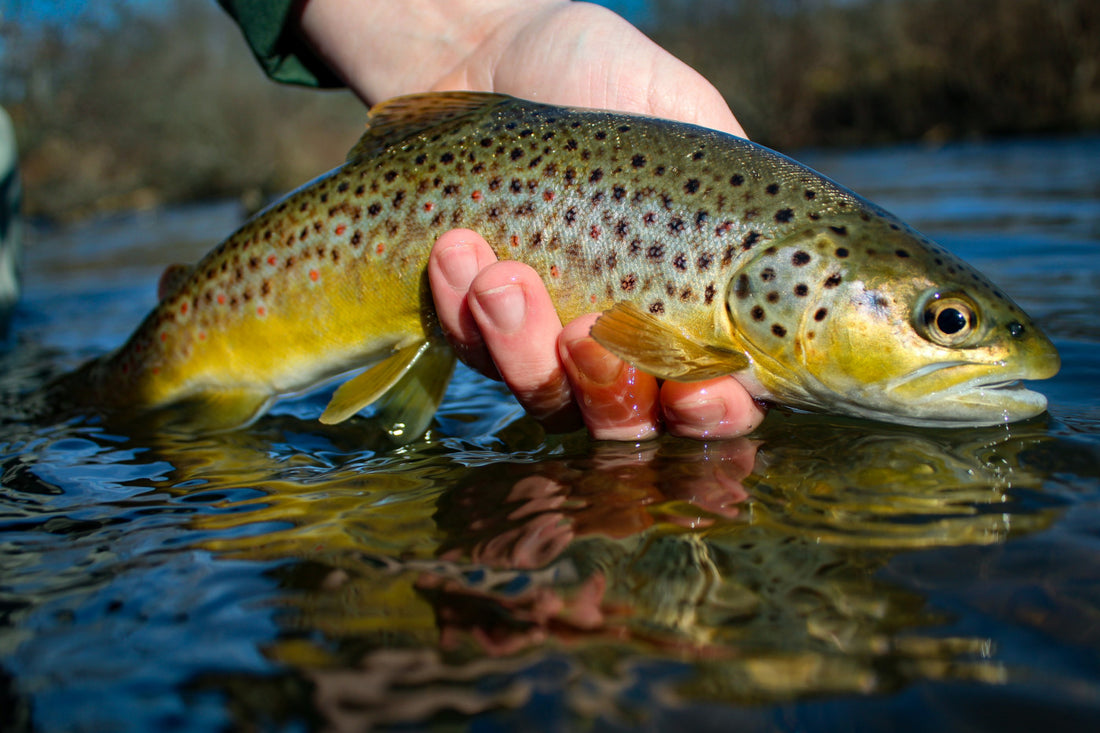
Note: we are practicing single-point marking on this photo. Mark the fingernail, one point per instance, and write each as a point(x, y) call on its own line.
point(459, 266)
point(594, 361)
point(505, 306)
point(703, 413)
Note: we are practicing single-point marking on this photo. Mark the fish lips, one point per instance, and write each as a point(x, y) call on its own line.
point(975, 394)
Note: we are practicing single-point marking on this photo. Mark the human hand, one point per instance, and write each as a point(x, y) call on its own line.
point(500, 319)
point(498, 315)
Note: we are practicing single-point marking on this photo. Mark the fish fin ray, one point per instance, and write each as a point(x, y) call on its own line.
point(400, 118)
point(660, 349)
point(408, 408)
point(366, 388)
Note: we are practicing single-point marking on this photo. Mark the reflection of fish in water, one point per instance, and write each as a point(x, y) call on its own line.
point(710, 256)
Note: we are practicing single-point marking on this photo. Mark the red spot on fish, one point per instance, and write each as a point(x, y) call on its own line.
point(163, 335)
point(341, 229)
point(592, 299)
point(547, 195)
point(379, 248)
point(202, 335)
point(554, 271)
point(429, 206)
point(314, 275)
point(183, 309)
point(271, 260)
point(515, 240)
point(595, 232)
point(221, 299)
point(261, 311)
point(476, 195)
point(156, 370)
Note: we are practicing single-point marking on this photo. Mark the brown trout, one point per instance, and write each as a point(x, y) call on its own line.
point(709, 255)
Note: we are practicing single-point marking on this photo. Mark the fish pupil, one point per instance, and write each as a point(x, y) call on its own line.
point(950, 321)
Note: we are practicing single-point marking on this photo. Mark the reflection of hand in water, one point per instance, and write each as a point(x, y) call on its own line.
point(529, 523)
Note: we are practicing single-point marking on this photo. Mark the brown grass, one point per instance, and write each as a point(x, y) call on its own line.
point(139, 110)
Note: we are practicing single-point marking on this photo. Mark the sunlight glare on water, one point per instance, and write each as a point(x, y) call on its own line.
point(822, 572)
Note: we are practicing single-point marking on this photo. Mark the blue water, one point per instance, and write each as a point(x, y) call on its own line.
point(823, 574)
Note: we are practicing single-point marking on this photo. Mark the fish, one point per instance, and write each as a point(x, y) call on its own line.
point(708, 255)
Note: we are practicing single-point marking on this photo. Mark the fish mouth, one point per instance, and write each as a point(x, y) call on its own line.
point(965, 394)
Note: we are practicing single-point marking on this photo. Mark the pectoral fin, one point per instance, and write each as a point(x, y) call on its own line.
point(660, 349)
point(410, 385)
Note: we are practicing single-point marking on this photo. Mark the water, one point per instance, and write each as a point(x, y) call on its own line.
point(822, 574)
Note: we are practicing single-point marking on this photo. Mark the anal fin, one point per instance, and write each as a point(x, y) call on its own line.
point(659, 349)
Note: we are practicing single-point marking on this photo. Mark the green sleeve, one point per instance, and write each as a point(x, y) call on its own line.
point(283, 54)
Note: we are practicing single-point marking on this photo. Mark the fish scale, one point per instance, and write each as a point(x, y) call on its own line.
point(721, 256)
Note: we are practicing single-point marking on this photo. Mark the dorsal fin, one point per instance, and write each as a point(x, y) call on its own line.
point(400, 118)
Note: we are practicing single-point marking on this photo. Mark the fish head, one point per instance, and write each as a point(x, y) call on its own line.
point(866, 317)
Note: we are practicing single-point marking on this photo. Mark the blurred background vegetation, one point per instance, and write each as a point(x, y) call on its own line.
point(147, 104)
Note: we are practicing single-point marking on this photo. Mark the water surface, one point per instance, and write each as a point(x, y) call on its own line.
point(820, 574)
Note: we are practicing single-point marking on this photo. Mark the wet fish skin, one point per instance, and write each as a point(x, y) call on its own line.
point(710, 255)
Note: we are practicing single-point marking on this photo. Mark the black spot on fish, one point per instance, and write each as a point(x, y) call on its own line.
point(708, 294)
point(570, 215)
point(801, 290)
point(757, 313)
point(635, 246)
point(737, 179)
point(655, 252)
point(842, 231)
point(600, 135)
point(622, 228)
point(649, 217)
point(596, 176)
point(692, 185)
point(516, 153)
point(778, 330)
point(389, 177)
point(767, 274)
point(450, 189)
point(618, 192)
point(598, 197)
point(374, 208)
point(570, 144)
point(800, 258)
point(686, 294)
point(841, 252)
point(820, 314)
point(832, 281)
point(612, 260)
point(629, 282)
point(809, 193)
point(398, 198)
point(486, 142)
point(701, 217)
point(547, 136)
point(704, 260)
point(749, 240)
point(680, 261)
point(447, 158)
point(698, 155)
point(741, 287)
point(624, 128)
point(638, 161)
point(659, 171)
point(903, 254)
point(772, 188)
point(784, 215)
point(657, 307)
point(773, 296)
point(516, 185)
point(676, 225)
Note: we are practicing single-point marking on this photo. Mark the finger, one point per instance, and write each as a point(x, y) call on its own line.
point(717, 408)
point(520, 327)
point(455, 261)
point(617, 401)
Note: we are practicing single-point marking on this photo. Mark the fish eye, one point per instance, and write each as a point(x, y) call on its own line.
point(948, 320)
